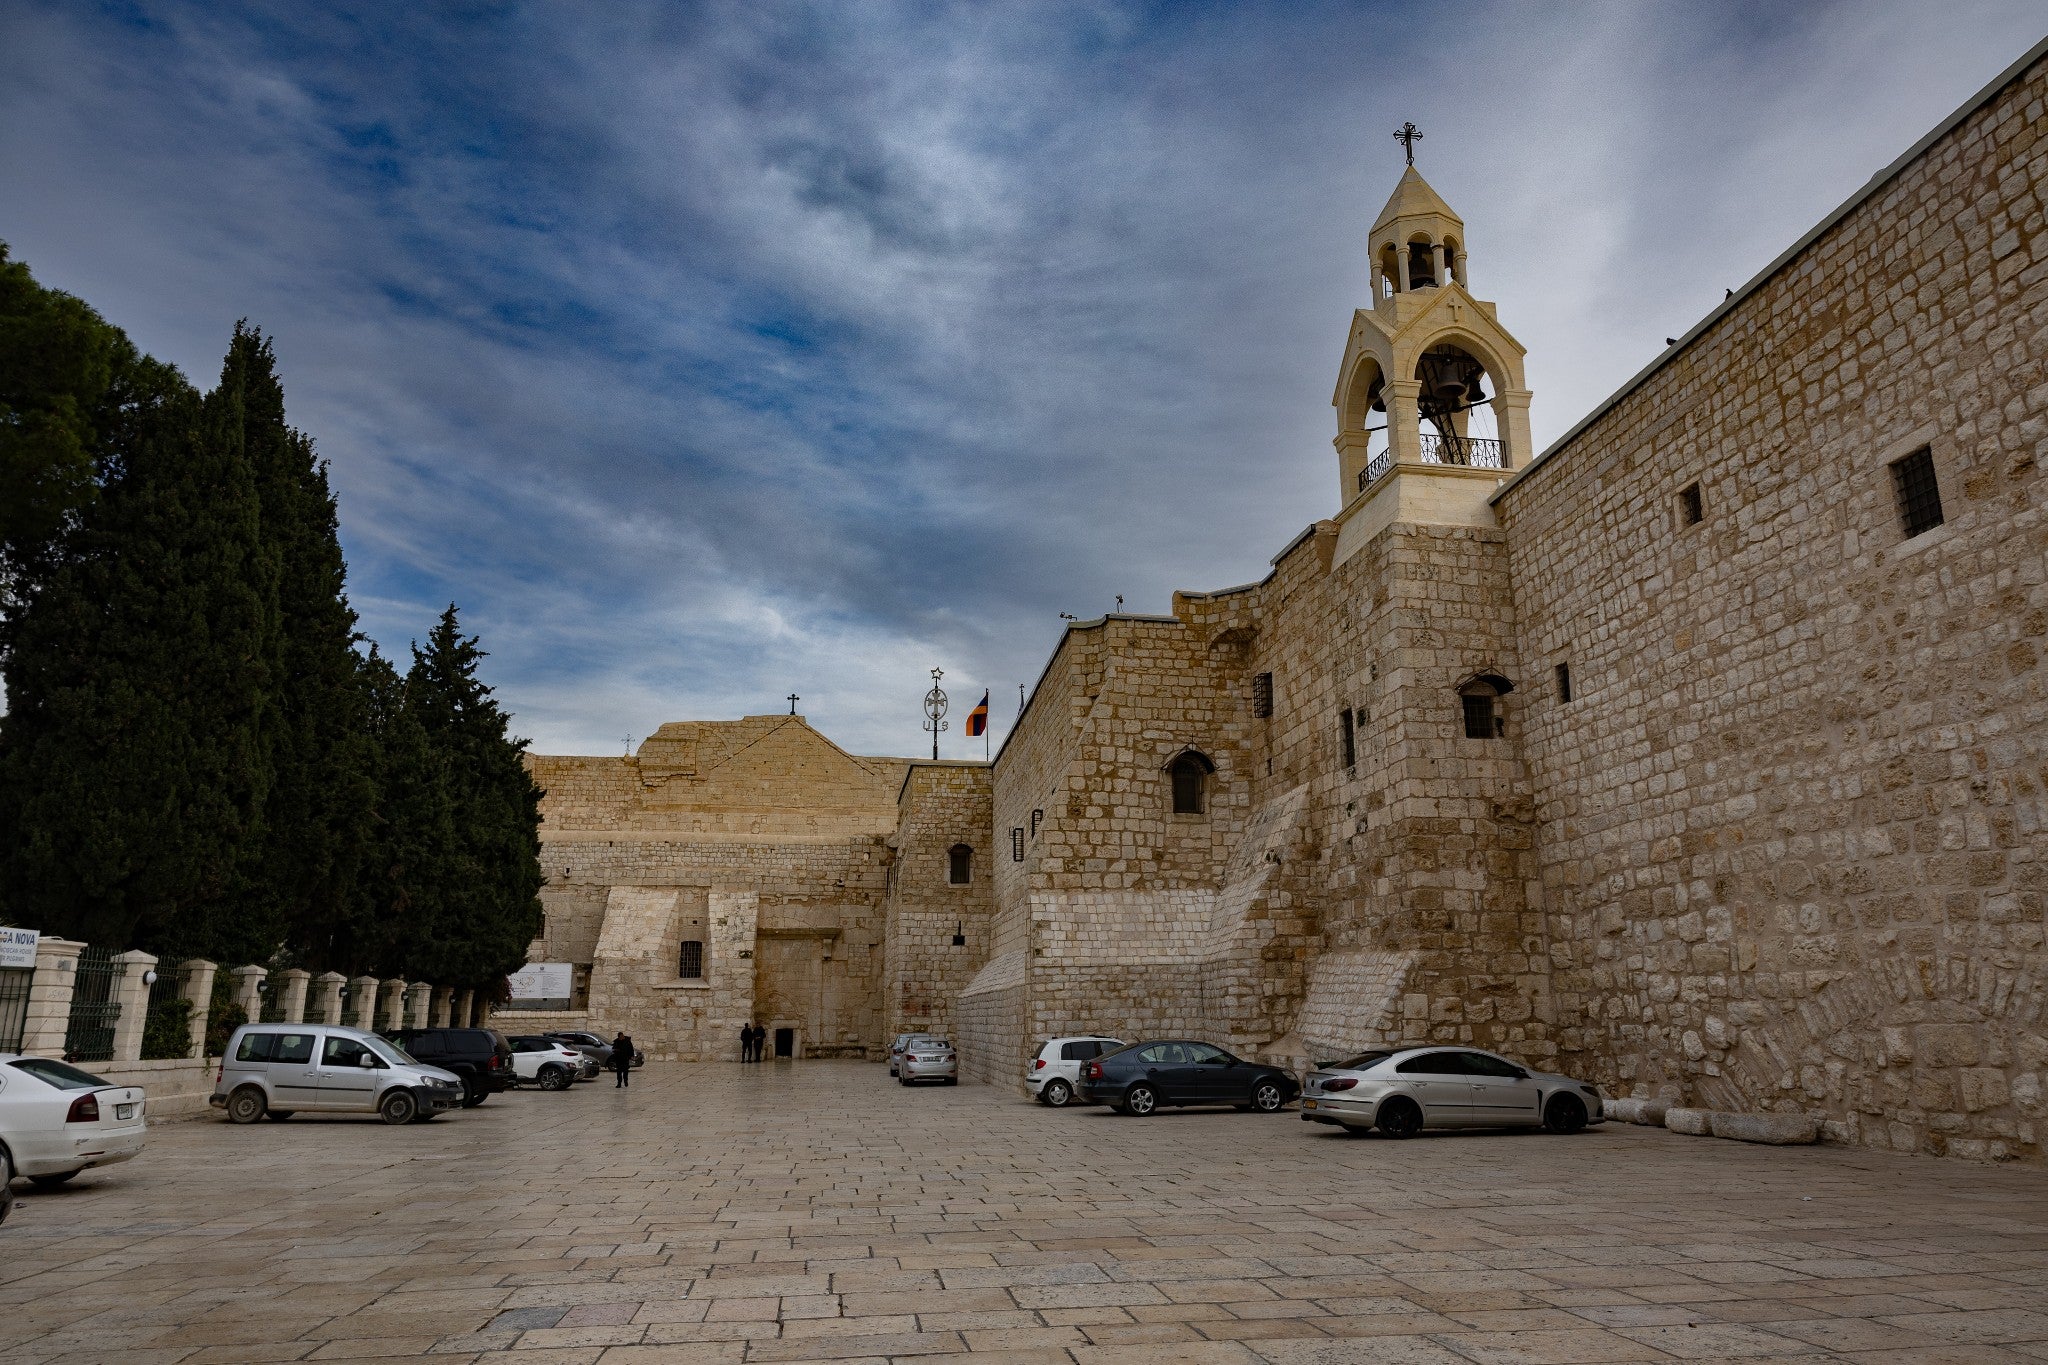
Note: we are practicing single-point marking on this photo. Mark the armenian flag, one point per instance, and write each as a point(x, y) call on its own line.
point(977, 719)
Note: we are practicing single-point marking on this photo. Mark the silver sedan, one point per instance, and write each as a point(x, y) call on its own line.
point(928, 1059)
point(1402, 1090)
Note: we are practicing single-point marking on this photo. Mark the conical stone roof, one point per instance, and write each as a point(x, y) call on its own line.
point(1413, 198)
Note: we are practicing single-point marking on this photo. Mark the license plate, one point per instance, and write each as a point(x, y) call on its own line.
point(1308, 1104)
point(124, 1111)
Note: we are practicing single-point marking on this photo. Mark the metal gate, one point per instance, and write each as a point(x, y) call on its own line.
point(94, 1008)
point(14, 984)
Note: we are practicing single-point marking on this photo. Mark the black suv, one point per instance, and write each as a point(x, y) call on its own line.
point(480, 1056)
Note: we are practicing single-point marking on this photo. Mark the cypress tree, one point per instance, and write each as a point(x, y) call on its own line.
point(132, 760)
point(303, 876)
point(413, 859)
point(484, 922)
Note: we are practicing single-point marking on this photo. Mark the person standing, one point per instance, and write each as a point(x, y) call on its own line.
point(760, 1037)
point(746, 1042)
point(622, 1059)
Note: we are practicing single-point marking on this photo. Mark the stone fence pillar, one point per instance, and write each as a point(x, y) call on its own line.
point(249, 990)
point(362, 1001)
point(388, 1006)
point(131, 992)
point(419, 996)
point(326, 1007)
point(49, 997)
point(443, 1010)
point(293, 983)
point(198, 993)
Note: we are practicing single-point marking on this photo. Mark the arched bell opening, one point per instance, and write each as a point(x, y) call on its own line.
point(1457, 401)
point(1454, 261)
point(1422, 263)
point(1363, 424)
point(1389, 271)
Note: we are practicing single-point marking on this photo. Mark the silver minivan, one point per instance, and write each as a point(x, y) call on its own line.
point(276, 1070)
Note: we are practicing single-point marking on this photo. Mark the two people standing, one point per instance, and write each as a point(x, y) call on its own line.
point(622, 1059)
point(752, 1036)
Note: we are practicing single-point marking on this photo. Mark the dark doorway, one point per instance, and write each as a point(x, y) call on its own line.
point(785, 1042)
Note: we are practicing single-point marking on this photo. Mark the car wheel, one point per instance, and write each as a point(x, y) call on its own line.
point(246, 1105)
point(1268, 1097)
point(1057, 1094)
point(51, 1182)
point(6, 1168)
point(1399, 1118)
point(554, 1078)
point(399, 1107)
point(473, 1092)
point(1564, 1114)
point(279, 1115)
point(1140, 1100)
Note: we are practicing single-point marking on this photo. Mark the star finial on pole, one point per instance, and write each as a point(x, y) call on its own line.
point(1408, 135)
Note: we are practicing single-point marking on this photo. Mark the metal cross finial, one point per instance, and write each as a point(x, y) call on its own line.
point(1408, 135)
point(793, 700)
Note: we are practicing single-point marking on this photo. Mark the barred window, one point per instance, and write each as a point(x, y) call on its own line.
point(690, 967)
point(1691, 510)
point(1348, 723)
point(1262, 694)
point(959, 865)
point(1190, 772)
point(1918, 492)
point(1017, 844)
point(1478, 715)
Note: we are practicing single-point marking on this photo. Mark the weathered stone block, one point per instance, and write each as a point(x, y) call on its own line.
point(1650, 1112)
point(1779, 1130)
point(1693, 1122)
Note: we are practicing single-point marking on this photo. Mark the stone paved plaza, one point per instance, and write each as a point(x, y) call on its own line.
point(817, 1211)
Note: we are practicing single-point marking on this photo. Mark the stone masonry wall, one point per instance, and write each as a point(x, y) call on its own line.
point(1792, 821)
point(942, 804)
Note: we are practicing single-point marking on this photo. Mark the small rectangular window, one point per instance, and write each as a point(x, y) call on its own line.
point(690, 965)
point(1564, 682)
point(1349, 726)
point(1017, 844)
point(1918, 492)
point(1262, 695)
point(1037, 817)
point(1691, 510)
point(959, 865)
point(255, 1047)
point(1478, 716)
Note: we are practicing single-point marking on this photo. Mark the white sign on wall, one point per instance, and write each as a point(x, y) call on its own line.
point(543, 981)
point(18, 947)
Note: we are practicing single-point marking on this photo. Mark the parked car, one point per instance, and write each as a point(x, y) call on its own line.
point(479, 1057)
point(1056, 1069)
point(275, 1070)
point(597, 1047)
point(547, 1063)
point(1403, 1090)
point(1181, 1071)
point(56, 1120)
point(904, 1040)
point(928, 1059)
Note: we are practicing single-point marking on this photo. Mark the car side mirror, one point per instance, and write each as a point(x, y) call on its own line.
point(367, 1062)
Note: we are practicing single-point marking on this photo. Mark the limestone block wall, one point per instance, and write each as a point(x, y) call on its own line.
point(940, 805)
point(989, 1020)
point(1792, 820)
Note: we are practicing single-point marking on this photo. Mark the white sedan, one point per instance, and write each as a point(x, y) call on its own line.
point(56, 1120)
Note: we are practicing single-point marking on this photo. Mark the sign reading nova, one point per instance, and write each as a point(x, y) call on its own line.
point(18, 947)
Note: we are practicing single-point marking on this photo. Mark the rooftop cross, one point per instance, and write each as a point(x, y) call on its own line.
point(793, 700)
point(1407, 135)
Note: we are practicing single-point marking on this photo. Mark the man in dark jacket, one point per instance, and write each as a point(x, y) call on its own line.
point(622, 1059)
point(760, 1037)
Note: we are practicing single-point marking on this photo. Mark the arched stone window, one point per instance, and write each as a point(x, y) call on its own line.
point(959, 865)
point(1190, 772)
point(690, 962)
point(1480, 696)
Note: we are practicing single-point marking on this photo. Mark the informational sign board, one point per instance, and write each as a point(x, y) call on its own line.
point(543, 981)
point(18, 947)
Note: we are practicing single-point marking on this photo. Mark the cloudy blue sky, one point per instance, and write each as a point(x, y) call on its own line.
point(707, 353)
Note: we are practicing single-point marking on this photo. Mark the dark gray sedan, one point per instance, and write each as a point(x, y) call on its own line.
point(1182, 1071)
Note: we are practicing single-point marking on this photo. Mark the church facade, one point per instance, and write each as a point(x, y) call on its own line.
point(1705, 755)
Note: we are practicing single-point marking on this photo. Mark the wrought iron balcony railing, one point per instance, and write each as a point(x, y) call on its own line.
point(1471, 452)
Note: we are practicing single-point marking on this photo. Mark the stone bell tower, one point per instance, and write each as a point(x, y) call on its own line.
point(1432, 409)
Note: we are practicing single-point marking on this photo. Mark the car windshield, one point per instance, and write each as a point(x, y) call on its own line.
point(390, 1051)
point(1364, 1061)
point(57, 1073)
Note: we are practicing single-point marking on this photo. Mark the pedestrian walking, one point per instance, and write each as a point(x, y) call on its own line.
point(622, 1059)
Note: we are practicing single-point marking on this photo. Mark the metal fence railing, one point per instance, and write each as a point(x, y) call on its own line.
point(167, 1027)
point(14, 984)
point(89, 1036)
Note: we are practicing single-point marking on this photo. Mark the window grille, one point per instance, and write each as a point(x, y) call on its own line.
point(1017, 844)
point(1564, 682)
point(1691, 510)
point(959, 865)
point(1037, 817)
point(1478, 716)
point(1262, 695)
point(1918, 492)
point(1349, 725)
point(690, 966)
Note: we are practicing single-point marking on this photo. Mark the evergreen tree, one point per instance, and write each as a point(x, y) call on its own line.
point(132, 760)
point(413, 859)
point(486, 921)
point(303, 876)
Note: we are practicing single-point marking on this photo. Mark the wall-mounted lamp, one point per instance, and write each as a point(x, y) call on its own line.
point(960, 934)
point(149, 977)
